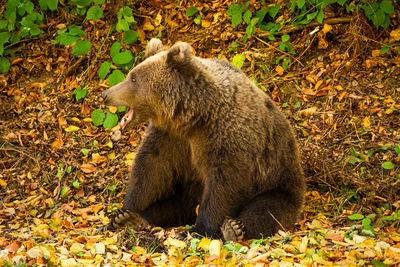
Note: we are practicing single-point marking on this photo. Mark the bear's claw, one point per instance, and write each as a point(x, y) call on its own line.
point(124, 217)
point(232, 230)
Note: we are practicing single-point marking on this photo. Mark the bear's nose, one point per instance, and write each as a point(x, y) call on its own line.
point(104, 95)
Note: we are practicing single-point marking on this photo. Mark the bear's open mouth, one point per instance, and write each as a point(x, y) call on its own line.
point(126, 118)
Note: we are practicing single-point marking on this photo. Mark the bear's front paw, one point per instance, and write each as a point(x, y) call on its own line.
point(232, 230)
point(124, 217)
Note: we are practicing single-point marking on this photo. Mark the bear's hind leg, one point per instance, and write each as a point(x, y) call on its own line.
point(178, 209)
point(266, 214)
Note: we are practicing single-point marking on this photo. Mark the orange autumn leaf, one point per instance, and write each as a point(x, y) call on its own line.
point(57, 144)
point(280, 70)
point(88, 168)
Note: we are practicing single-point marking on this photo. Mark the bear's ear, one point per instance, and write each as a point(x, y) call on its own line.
point(179, 55)
point(153, 47)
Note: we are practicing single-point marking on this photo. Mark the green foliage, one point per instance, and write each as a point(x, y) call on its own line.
point(110, 120)
point(104, 69)
point(378, 12)
point(191, 11)
point(130, 37)
point(94, 12)
point(365, 228)
point(18, 21)
point(116, 77)
point(73, 34)
point(81, 47)
point(80, 93)
point(125, 19)
point(97, 117)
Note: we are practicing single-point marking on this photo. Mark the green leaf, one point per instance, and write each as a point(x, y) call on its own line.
point(85, 151)
point(247, 16)
point(81, 48)
point(320, 16)
point(387, 7)
point(238, 60)
point(76, 184)
point(130, 37)
point(356, 216)
point(274, 10)
point(121, 109)
point(97, 117)
point(300, 3)
point(66, 39)
point(110, 121)
point(341, 2)
point(64, 191)
point(378, 263)
point(380, 18)
point(95, 12)
point(285, 38)
point(52, 4)
point(235, 11)
point(384, 50)
point(4, 64)
point(75, 31)
point(115, 77)
point(123, 57)
point(197, 19)
point(104, 69)
point(191, 11)
point(80, 93)
point(99, 2)
point(115, 48)
point(4, 37)
point(353, 152)
point(387, 165)
point(122, 25)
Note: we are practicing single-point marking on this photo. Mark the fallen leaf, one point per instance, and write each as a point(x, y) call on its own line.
point(308, 112)
point(280, 70)
point(87, 168)
point(57, 144)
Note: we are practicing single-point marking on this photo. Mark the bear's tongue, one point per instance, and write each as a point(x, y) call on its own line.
point(126, 119)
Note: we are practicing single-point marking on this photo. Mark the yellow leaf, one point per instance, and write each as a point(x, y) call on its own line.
point(111, 155)
point(303, 245)
point(3, 183)
point(215, 247)
point(112, 109)
point(131, 156)
point(175, 242)
point(395, 34)
point(205, 23)
point(280, 70)
point(204, 242)
point(75, 119)
point(72, 129)
point(366, 122)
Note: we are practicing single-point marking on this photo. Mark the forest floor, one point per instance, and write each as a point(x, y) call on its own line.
point(61, 176)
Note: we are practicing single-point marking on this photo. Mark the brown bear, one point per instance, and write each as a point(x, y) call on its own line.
point(213, 139)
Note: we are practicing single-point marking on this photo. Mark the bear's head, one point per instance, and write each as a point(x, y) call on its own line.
point(144, 88)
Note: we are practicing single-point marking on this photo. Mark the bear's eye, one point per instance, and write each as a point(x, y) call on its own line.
point(133, 79)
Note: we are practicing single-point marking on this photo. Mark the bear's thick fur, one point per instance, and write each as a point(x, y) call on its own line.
point(213, 139)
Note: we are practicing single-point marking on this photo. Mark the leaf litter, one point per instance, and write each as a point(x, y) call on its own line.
point(61, 177)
